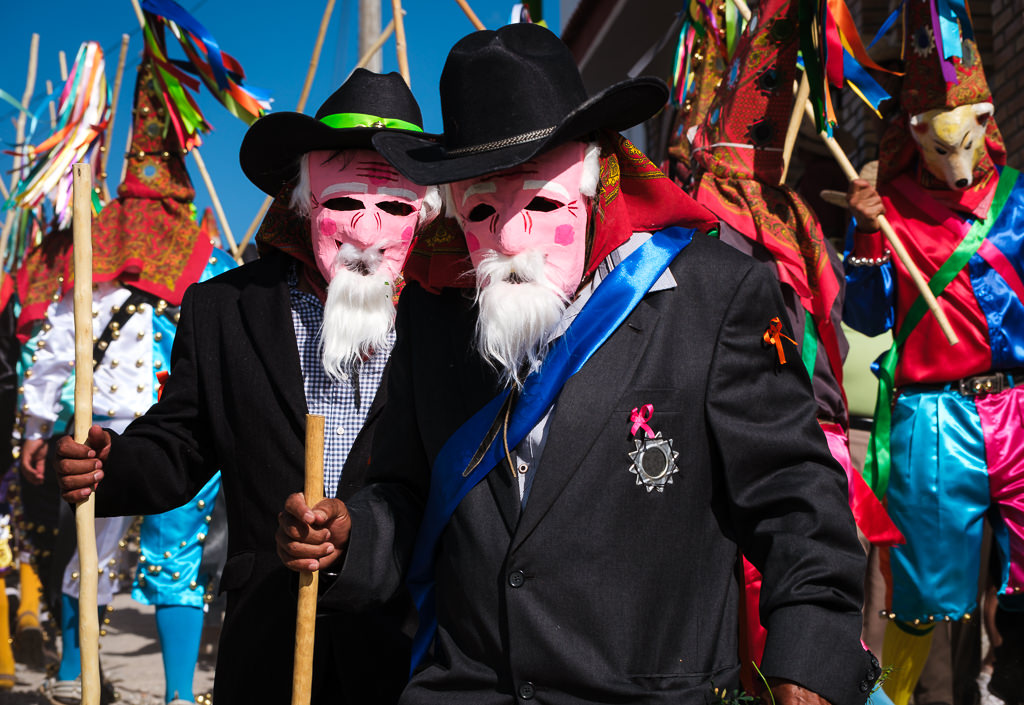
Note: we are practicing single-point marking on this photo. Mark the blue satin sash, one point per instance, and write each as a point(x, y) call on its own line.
point(613, 300)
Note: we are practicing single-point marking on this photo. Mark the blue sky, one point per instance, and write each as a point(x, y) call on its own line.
point(273, 40)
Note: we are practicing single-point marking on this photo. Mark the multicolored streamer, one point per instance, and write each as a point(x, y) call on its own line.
point(83, 114)
point(217, 69)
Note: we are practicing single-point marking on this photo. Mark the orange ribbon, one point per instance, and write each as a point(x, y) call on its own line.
point(774, 335)
point(161, 377)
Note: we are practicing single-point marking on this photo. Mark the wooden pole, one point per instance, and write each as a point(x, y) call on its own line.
point(218, 209)
point(307, 85)
point(403, 56)
point(62, 57)
point(305, 622)
point(369, 30)
point(890, 235)
point(315, 59)
point(364, 60)
point(85, 511)
point(53, 107)
point(470, 14)
point(105, 153)
point(19, 159)
point(802, 93)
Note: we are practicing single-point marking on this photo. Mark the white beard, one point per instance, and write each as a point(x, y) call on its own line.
point(515, 320)
point(359, 313)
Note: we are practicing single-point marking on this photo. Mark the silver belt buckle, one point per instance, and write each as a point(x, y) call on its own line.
point(981, 385)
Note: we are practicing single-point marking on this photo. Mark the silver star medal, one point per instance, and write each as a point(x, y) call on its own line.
point(654, 462)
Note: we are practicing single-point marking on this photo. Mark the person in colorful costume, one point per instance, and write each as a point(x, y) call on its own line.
point(591, 550)
point(308, 327)
point(946, 450)
point(739, 148)
point(147, 250)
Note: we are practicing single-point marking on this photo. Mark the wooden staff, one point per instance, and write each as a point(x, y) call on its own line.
point(105, 149)
point(85, 511)
point(314, 61)
point(403, 56)
point(62, 57)
point(890, 235)
point(470, 14)
point(795, 119)
point(305, 620)
point(26, 98)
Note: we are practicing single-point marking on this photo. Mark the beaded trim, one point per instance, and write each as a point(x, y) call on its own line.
point(868, 261)
point(507, 142)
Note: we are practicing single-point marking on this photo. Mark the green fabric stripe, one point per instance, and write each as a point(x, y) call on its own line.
point(809, 347)
point(345, 120)
point(878, 462)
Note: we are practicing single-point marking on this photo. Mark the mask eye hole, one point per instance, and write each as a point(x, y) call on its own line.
point(395, 208)
point(940, 150)
point(480, 212)
point(969, 145)
point(544, 205)
point(343, 204)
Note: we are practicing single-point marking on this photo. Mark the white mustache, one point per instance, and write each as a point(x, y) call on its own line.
point(520, 268)
point(353, 259)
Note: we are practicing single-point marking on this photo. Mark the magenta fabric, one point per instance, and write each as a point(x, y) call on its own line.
point(1002, 420)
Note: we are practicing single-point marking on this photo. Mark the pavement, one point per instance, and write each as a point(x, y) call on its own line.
point(130, 658)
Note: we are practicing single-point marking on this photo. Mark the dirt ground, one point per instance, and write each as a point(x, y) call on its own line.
point(130, 659)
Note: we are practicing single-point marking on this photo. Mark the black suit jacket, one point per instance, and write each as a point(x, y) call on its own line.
point(598, 590)
point(235, 402)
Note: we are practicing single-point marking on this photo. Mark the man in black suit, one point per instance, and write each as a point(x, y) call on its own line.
point(306, 328)
point(577, 451)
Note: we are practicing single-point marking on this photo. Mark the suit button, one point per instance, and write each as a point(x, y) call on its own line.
point(516, 579)
point(527, 691)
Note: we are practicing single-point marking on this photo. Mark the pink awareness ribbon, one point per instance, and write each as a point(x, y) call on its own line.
point(640, 417)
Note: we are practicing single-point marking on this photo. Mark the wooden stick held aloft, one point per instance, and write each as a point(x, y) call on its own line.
point(890, 235)
point(470, 14)
point(305, 620)
point(85, 511)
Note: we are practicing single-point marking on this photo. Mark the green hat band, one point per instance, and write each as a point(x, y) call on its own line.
point(346, 120)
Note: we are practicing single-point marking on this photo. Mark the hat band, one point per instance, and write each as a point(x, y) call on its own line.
point(507, 142)
point(347, 120)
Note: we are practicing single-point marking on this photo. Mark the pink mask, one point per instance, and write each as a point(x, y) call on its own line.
point(536, 206)
point(359, 199)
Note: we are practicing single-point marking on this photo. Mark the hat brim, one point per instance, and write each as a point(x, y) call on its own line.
point(618, 107)
point(270, 152)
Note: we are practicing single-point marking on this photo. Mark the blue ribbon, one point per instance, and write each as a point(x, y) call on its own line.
point(609, 305)
point(174, 12)
point(865, 84)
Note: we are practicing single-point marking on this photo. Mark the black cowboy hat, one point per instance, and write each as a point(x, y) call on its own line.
point(507, 96)
point(365, 104)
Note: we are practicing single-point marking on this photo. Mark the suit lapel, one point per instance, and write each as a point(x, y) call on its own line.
point(582, 410)
point(265, 308)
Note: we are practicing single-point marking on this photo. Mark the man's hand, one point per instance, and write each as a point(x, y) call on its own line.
point(312, 539)
point(80, 465)
point(33, 459)
point(865, 204)
point(786, 693)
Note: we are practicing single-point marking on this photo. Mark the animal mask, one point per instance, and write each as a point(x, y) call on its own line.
point(534, 207)
point(358, 199)
point(952, 141)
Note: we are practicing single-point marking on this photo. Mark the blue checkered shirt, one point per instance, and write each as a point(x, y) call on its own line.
point(344, 404)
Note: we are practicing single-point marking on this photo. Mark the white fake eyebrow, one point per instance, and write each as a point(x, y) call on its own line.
point(398, 192)
point(354, 187)
point(479, 187)
point(549, 185)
